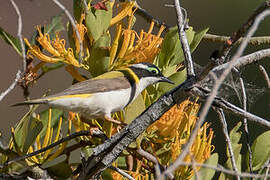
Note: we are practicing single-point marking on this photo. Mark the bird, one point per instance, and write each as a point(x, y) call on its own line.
point(99, 97)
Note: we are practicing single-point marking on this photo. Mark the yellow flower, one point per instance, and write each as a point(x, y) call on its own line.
point(144, 49)
point(173, 130)
point(56, 49)
point(48, 139)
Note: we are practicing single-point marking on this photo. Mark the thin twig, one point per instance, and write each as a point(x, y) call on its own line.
point(197, 176)
point(224, 39)
point(123, 173)
point(213, 94)
point(183, 39)
point(68, 138)
point(226, 171)
point(245, 123)
point(267, 169)
point(18, 77)
point(265, 75)
point(245, 60)
point(85, 6)
point(243, 29)
point(19, 34)
point(226, 134)
point(153, 159)
point(72, 21)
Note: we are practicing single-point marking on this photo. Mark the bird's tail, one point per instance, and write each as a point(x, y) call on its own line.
point(36, 101)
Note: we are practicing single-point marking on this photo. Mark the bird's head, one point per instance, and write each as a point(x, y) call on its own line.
point(148, 74)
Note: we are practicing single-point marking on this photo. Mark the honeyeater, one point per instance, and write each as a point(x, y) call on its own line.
point(110, 92)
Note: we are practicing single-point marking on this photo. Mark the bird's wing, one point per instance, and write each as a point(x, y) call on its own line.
point(110, 81)
point(107, 82)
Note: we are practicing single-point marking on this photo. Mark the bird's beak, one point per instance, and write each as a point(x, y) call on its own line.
point(164, 79)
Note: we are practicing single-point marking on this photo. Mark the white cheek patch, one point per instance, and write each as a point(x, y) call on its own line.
point(142, 66)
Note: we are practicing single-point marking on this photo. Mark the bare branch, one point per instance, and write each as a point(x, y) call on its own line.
point(245, 60)
point(197, 176)
point(123, 173)
point(11, 87)
point(183, 39)
point(226, 134)
point(224, 39)
point(226, 171)
point(152, 158)
point(72, 21)
point(68, 138)
point(243, 29)
point(245, 122)
point(19, 34)
point(265, 75)
point(213, 94)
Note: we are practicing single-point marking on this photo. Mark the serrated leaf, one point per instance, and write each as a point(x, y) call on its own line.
point(208, 173)
point(134, 109)
point(197, 39)
point(44, 115)
point(98, 21)
point(11, 40)
point(100, 56)
point(260, 150)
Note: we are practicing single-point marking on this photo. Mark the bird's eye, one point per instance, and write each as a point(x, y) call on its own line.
point(153, 70)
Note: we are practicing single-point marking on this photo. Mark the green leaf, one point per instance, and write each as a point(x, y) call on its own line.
point(44, 116)
point(260, 150)
point(207, 173)
point(55, 26)
point(134, 109)
point(100, 56)
point(171, 49)
point(177, 78)
point(11, 40)
point(197, 39)
point(77, 9)
point(98, 21)
point(107, 174)
point(27, 131)
point(62, 170)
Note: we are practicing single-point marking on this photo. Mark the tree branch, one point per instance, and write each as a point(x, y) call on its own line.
point(19, 34)
point(224, 39)
point(183, 39)
point(68, 138)
point(228, 141)
point(243, 29)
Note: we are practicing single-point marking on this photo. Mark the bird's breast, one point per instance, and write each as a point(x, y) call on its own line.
point(95, 105)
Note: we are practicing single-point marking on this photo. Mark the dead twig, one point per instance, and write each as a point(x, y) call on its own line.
point(213, 94)
point(183, 39)
point(19, 72)
point(68, 138)
point(228, 141)
point(224, 39)
point(123, 173)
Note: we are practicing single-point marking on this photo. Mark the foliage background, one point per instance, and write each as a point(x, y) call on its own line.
point(223, 17)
